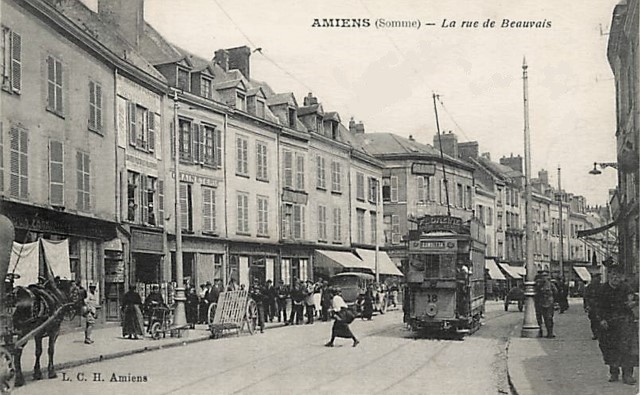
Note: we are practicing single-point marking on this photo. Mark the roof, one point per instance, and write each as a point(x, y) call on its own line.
point(282, 98)
point(86, 19)
point(498, 169)
point(331, 116)
point(311, 109)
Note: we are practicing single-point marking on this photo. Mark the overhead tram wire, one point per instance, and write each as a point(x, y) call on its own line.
point(261, 50)
point(453, 119)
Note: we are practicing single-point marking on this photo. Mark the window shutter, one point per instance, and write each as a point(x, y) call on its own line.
point(195, 142)
point(420, 187)
point(131, 122)
point(184, 208)
point(151, 126)
point(16, 62)
point(51, 86)
point(160, 221)
point(144, 198)
point(56, 173)
point(172, 137)
point(288, 168)
point(92, 104)
point(217, 135)
point(80, 180)
point(394, 189)
point(303, 222)
point(87, 181)
point(98, 107)
point(58, 107)
point(14, 167)
point(432, 189)
point(206, 208)
point(201, 144)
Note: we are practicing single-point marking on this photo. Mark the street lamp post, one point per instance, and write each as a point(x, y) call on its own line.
point(179, 317)
point(530, 326)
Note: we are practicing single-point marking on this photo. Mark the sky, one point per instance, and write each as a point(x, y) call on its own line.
point(385, 77)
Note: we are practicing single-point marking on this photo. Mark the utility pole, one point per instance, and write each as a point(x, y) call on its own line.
point(530, 326)
point(560, 200)
point(378, 201)
point(444, 173)
point(179, 317)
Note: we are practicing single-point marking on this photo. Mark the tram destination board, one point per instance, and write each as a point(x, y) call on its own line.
point(434, 245)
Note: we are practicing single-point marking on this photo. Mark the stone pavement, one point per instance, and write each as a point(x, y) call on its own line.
point(569, 364)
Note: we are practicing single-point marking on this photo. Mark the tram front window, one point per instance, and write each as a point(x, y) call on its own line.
point(432, 266)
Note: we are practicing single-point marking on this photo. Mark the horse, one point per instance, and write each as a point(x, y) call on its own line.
point(39, 312)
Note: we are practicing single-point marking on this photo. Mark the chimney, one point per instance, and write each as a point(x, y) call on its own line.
point(486, 155)
point(360, 128)
point(352, 125)
point(543, 176)
point(221, 58)
point(411, 138)
point(239, 59)
point(310, 100)
point(449, 143)
point(470, 149)
point(514, 162)
point(126, 15)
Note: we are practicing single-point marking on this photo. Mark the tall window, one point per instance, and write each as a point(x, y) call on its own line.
point(373, 189)
point(336, 176)
point(287, 164)
point(260, 108)
point(56, 173)
point(186, 206)
point(54, 85)
point(468, 198)
point(489, 216)
point(374, 227)
point(83, 174)
point(241, 101)
point(337, 225)
point(186, 149)
point(208, 209)
point(243, 213)
point(95, 106)
point(149, 191)
point(133, 180)
point(459, 195)
point(395, 229)
point(212, 149)
point(183, 80)
point(386, 189)
point(298, 221)
point(205, 87)
point(322, 223)
point(359, 186)
point(11, 60)
point(292, 118)
point(263, 216)
point(360, 225)
point(321, 181)
point(422, 190)
point(262, 171)
point(242, 156)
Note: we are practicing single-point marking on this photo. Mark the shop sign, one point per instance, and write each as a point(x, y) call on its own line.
point(148, 242)
point(430, 223)
point(425, 169)
point(196, 179)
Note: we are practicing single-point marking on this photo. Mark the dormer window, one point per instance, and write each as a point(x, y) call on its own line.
point(319, 125)
point(205, 87)
point(241, 101)
point(292, 118)
point(260, 108)
point(334, 130)
point(183, 79)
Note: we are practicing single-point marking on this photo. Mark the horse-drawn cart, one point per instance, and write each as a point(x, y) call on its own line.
point(234, 311)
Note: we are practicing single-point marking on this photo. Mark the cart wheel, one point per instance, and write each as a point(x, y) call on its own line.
point(252, 316)
point(7, 371)
point(156, 328)
point(211, 313)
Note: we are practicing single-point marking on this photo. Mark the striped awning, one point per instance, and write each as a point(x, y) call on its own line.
point(583, 273)
point(494, 271)
point(512, 271)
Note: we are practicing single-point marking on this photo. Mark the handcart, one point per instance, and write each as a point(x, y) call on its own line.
point(160, 322)
point(234, 311)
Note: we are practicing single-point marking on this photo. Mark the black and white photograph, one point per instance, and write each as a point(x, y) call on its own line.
point(332, 197)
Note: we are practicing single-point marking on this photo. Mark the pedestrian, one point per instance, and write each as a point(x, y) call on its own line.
point(544, 300)
point(393, 293)
point(91, 304)
point(214, 293)
point(270, 296)
point(257, 294)
point(615, 306)
point(297, 303)
point(343, 316)
point(309, 301)
point(589, 303)
point(133, 323)
point(191, 307)
point(563, 295)
point(325, 301)
point(282, 292)
point(367, 303)
point(203, 305)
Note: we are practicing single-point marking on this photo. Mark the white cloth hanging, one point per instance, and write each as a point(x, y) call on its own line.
point(56, 254)
point(25, 261)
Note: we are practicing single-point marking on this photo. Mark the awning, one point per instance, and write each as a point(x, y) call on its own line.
point(494, 271)
point(512, 271)
point(385, 264)
point(583, 273)
point(326, 258)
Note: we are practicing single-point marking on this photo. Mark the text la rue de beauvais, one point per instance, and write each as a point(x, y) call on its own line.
point(366, 23)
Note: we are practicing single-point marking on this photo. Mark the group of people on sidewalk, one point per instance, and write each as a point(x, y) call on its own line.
point(612, 308)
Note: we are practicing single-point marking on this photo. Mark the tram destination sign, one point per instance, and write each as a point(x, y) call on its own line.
point(434, 245)
point(430, 223)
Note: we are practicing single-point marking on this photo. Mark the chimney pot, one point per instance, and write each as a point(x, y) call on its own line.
point(239, 59)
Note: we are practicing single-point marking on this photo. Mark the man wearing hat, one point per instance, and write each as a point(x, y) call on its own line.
point(545, 296)
point(589, 303)
point(257, 293)
point(90, 312)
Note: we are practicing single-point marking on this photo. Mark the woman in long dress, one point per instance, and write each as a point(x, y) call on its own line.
point(341, 320)
point(133, 321)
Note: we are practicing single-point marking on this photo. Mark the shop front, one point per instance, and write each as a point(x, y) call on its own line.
point(146, 262)
point(249, 261)
point(202, 260)
point(296, 262)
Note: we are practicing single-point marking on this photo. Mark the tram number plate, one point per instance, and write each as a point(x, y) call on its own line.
point(432, 298)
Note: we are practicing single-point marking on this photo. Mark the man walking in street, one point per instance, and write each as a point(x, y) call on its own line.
point(589, 303)
point(545, 296)
point(618, 337)
point(91, 304)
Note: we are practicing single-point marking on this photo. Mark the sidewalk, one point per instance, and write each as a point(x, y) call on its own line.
point(569, 364)
point(108, 343)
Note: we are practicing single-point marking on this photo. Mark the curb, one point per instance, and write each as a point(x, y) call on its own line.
point(514, 391)
point(105, 357)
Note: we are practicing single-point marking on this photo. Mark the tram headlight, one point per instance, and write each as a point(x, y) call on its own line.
point(432, 309)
